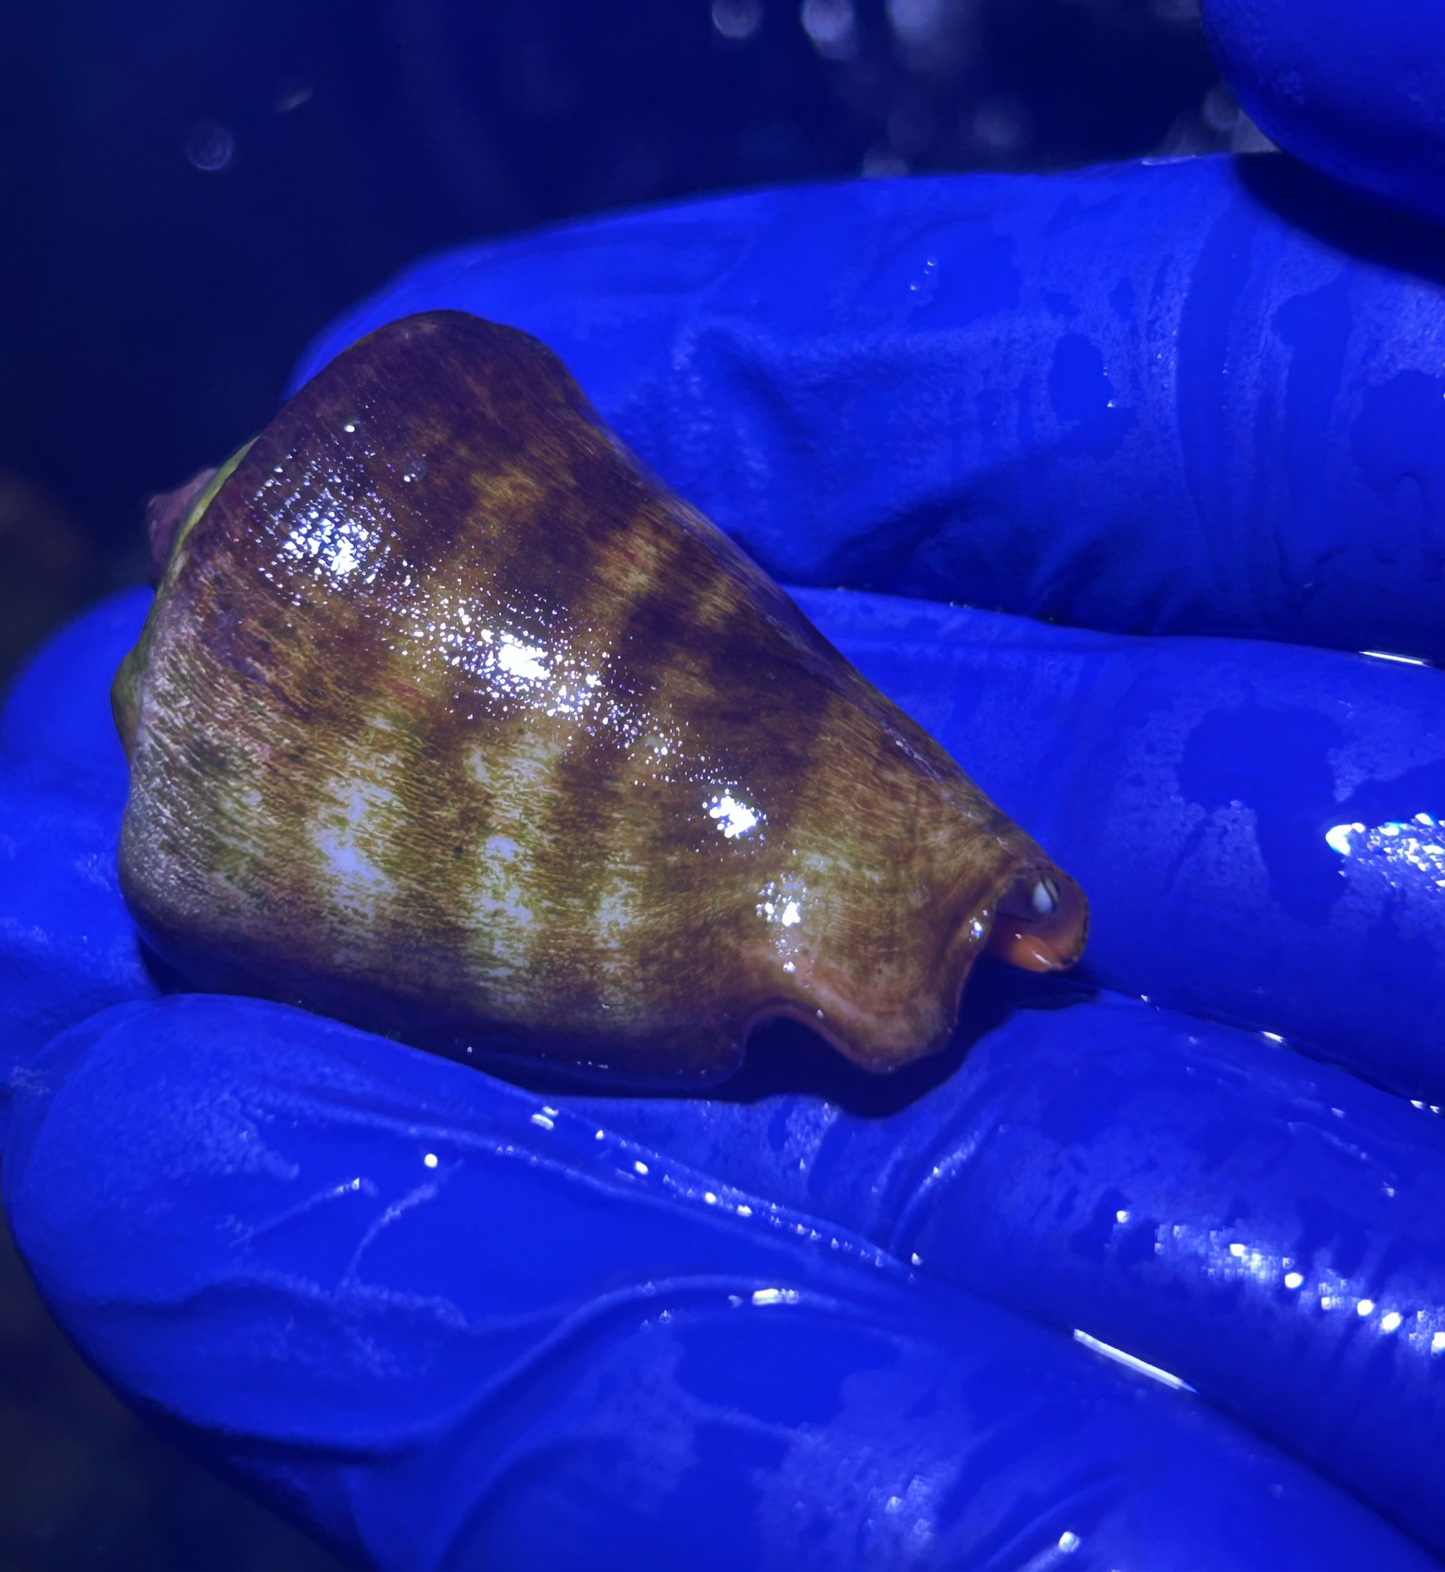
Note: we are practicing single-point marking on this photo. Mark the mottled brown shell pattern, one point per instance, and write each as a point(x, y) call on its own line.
point(450, 719)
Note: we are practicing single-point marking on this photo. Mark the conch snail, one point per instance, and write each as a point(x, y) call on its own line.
point(449, 719)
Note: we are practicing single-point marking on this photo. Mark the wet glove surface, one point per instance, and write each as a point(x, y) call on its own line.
point(1197, 1196)
point(466, 1325)
point(818, 1319)
point(1312, 79)
point(1191, 396)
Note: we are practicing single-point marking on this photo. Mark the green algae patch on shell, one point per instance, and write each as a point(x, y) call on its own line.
point(451, 720)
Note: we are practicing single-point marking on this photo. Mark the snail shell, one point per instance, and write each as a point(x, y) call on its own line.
point(450, 719)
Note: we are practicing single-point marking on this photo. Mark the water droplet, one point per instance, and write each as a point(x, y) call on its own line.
point(210, 146)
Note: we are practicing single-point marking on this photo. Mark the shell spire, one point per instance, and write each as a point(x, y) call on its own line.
point(451, 720)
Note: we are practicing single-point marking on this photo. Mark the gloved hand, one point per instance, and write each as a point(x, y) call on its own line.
point(448, 1320)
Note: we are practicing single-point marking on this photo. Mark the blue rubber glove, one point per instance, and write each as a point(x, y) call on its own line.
point(245, 1215)
point(454, 1322)
point(1355, 90)
point(1191, 396)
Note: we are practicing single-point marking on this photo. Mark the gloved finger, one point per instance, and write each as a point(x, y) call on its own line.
point(67, 944)
point(1194, 397)
point(1260, 828)
point(1357, 90)
point(459, 1326)
point(57, 710)
point(1268, 1229)
point(934, 661)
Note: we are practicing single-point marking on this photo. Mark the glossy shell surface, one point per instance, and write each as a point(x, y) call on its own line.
point(450, 719)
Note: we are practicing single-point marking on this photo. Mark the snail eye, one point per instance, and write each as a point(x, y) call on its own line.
point(1045, 897)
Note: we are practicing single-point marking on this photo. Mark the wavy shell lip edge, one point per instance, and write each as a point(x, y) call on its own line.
point(1033, 940)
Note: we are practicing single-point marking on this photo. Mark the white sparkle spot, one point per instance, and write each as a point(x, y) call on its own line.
point(1273, 1037)
point(1337, 837)
point(1131, 1361)
point(521, 660)
point(1122, 1215)
point(430, 1159)
point(1404, 660)
point(1068, 1541)
point(733, 817)
point(1437, 1343)
point(1411, 846)
point(1390, 1321)
point(541, 1121)
point(640, 1167)
point(709, 1197)
point(791, 914)
point(1294, 1279)
point(1236, 1250)
point(745, 1211)
point(775, 1296)
point(1365, 1307)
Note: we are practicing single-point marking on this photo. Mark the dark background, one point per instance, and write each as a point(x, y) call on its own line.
point(191, 188)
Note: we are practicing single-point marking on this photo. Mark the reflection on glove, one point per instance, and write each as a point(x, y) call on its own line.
point(1183, 1192)
point(1312, 77)
point(454, 1322)
point(459, 1325)
point(1202, 396)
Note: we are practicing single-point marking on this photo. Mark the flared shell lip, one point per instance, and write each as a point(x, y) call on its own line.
point(875, 1064)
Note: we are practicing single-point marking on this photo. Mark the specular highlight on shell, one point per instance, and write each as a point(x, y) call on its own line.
point(451, 720)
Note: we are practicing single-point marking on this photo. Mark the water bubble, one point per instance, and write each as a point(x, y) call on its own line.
point(737, 19)
point(915, 20)
point(1220, 108)
point(832, 26)
point(210, 146)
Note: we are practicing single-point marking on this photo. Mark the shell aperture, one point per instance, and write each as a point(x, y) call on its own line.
point(451, 720)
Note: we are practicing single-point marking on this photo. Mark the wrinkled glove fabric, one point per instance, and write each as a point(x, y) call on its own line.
point(1197, 396)
point(1148, 1269)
